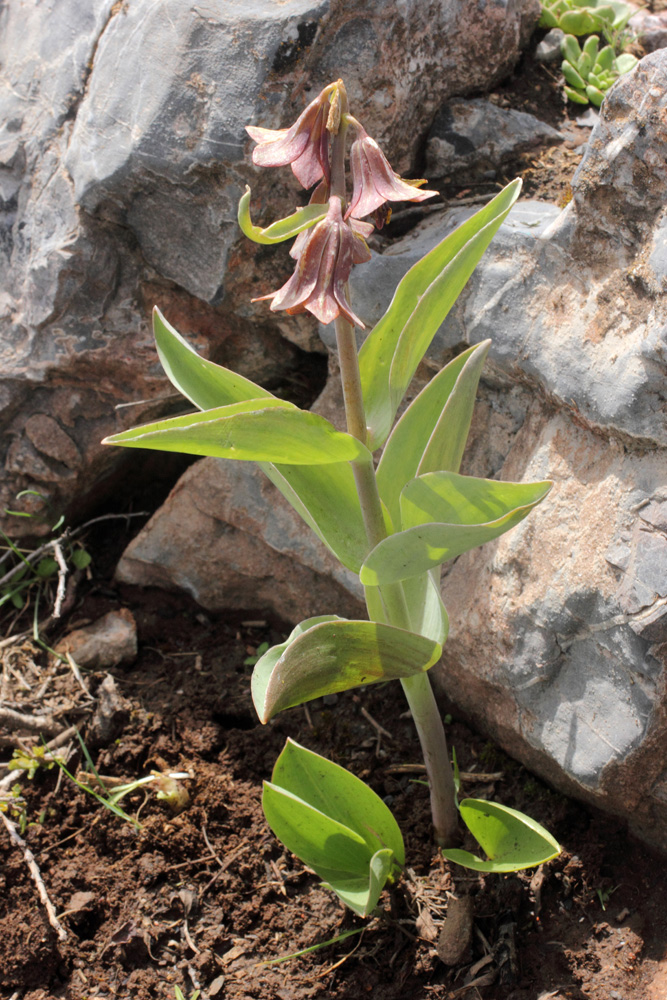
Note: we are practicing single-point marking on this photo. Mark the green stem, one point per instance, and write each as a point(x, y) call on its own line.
point(418, 690)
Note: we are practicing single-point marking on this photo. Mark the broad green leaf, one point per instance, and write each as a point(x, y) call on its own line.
point(398, 342)
point(510, 839)
point(283, 229)
point(334, 823)
point(81, 558)
point(326, 498)
point(323, 495)
point(362, 894)
point(265, 664)
point(331, 848)
point(204, 383)
point(432, 433)
point(336, 792)
point(447, 514)
point(256, 430)
point(334, 656)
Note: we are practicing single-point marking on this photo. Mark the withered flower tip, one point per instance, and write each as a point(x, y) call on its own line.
point(305, 146)
point(322, 270)
point(374, 182)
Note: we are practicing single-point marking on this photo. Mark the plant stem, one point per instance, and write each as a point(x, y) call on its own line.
point(418, 690)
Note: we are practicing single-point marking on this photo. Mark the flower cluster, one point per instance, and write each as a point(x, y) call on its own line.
point(325, 254)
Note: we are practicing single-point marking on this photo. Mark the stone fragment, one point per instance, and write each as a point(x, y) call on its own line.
point(111, 714)
point(108, 642)
point(477, 138)
point(453, 944)
point(548, 50)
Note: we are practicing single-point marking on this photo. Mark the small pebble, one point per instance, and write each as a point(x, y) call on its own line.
point(548, 50)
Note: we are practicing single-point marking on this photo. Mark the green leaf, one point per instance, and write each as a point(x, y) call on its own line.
point(594, 95)
point(571, 75)
point(256, 430)
point(571, 49)
point(591, 48)
point(325, 496)
point(578, 22)
point(46, 567)
point(283, 229)
point(584, 65)
point(446, 515)
point(204, 383)
point(81, 558)
point(398, 342)
point(510, 839)
point(428, 615)
point(605, 59)
point(334, 823)
point(547, 20)
point(265, 664)
point(336, 655)
point(432, 433)
point(577, 96)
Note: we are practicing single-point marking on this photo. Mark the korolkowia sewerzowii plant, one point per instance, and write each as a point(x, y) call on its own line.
point(394, 525)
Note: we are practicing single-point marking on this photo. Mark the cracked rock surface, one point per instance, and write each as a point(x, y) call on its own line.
point(123, 154)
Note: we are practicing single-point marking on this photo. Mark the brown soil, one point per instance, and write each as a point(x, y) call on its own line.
point(206, 898)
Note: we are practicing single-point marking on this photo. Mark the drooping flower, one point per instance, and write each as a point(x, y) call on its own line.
point(374, 182)
point(322, 270)
point(305, 145)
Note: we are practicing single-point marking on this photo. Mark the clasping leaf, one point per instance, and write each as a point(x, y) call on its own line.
point(444, 515)
point(335, 824)
point(510, 839)
point(328, 654)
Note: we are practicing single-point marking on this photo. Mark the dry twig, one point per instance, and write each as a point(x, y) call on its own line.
point(36, 877)
point(62, 578)
point(35, 723)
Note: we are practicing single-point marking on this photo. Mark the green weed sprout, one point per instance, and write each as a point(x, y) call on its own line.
point(178, 994)
point(590, 72)
point(394, 525)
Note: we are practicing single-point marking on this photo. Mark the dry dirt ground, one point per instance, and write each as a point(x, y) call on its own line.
point(205, 898)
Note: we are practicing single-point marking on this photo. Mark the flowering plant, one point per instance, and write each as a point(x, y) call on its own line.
point(394, 524)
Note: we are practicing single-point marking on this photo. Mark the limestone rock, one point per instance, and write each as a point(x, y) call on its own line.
point(650, 29)
point(123, 154)
point(108, 642)
point(548, 50)
point(227, 537)
point(477, 137)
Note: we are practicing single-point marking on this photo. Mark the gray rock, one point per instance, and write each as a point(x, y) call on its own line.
point(554, 643)
point(122, 157)
point(477, 137)
point(650, 29)
point(214, 538)
point(572, 300)
point(548, 51)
